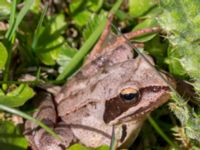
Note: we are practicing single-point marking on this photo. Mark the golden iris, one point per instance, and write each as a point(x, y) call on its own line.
point(129, 94)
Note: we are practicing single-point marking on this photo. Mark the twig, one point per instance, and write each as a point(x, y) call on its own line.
point(120, 39)
point(98, 47)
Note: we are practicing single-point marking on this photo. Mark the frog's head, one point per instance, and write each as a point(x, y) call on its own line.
point(137, 95)
point(121, 94)
point(124, 91)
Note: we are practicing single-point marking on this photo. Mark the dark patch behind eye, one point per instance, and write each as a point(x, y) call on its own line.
point(116, 106)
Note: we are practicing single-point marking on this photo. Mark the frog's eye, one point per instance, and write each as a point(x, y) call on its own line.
point(129, 95)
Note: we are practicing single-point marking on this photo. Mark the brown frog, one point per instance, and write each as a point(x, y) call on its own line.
point(112, 89)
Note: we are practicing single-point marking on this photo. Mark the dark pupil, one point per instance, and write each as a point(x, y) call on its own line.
point(129, 97)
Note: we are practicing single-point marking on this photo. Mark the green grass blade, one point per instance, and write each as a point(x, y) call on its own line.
point(12, 17)
point(116, 6)
point(35, 38)
point(83, 51)
point(162, 134)
point(20, 16)
point(13, 26)
point(113, 144)
point(24, 115)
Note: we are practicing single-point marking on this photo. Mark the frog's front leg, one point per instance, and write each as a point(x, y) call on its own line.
point(41, 140)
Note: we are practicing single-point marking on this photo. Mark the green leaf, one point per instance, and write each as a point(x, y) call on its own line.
point(157, 49)
point(65, 57)
point(18, 96)
point(50, 42)
point(82, 10)
point(139, 7)
point(153, 13)
point(104, 147)
point(181, 20)
point(10, 137)
point(50, 53)
point(146, 24)
point(191, 63)
point(78, 147)
point(3, 56)
point(174, 61)
point(81, 147)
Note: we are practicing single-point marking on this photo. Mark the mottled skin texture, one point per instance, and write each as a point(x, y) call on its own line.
point(89, 103)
